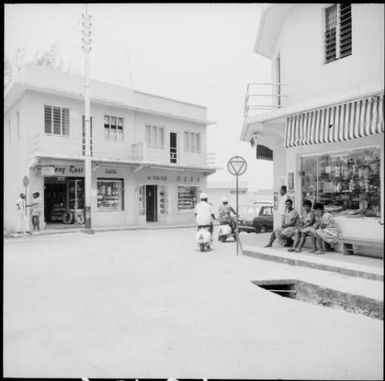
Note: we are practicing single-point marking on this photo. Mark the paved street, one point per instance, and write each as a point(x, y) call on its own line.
point(149, 304)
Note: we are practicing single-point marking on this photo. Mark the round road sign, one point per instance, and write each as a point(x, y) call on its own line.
point(25, 181)
point(237, 165)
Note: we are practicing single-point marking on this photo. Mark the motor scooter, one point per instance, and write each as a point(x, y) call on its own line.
point(204, 238)
point(226, 230)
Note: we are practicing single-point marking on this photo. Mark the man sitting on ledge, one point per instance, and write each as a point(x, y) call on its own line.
point(288, 227)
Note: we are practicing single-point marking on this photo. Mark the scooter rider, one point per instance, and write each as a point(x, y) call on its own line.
point(225, 211)
point(204, 214)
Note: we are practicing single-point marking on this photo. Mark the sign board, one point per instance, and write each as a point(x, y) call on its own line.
point(237, 165)
point(47, 171)
point(264, 153)
point(290, 181)
point(25, 181)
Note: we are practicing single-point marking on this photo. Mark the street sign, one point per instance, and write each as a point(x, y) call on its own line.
point(25, 181)
point(237, 165)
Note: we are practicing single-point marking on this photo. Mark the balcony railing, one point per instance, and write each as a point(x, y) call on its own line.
point(65, 147)
point(264, 96)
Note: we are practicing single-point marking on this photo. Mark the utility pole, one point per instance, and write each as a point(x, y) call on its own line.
point(86, 23)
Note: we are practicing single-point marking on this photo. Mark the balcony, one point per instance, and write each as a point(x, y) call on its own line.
point(69, 148)
point(264, 96)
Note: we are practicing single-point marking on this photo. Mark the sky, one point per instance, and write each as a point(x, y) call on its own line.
point(199, 53)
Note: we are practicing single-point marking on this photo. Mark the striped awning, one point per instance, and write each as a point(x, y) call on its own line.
point(336, 123)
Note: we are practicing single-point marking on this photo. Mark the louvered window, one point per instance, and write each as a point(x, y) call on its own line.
point(338, 32)
point(56, 120)
point(192, 142)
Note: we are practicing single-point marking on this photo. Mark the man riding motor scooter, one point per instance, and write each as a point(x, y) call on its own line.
point(226, 221)
point(204, 216)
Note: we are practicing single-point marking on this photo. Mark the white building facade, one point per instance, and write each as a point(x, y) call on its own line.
point(323, 116)
point(149, 159)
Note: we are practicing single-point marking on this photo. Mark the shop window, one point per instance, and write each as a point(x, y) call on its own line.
point(110, 194)
point(56, 120)
point(192, 142)
point(154, 136)
point(187, 198)
point(338, 32)
point(346, 183)
point(113, 128)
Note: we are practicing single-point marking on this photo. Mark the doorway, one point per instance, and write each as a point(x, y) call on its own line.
point(173, 147)
point(151, 203)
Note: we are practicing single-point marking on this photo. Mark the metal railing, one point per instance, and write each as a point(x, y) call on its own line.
point(65, 147)
point(265, 96)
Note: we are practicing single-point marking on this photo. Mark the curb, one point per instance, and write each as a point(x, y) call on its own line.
point(317, 266)
point(95, 230)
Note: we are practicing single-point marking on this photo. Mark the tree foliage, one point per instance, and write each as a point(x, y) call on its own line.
point(49, 57)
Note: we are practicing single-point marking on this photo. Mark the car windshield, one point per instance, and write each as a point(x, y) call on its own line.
point(249, 210)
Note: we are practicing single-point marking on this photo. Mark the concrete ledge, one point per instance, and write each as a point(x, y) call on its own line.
point(353, 270)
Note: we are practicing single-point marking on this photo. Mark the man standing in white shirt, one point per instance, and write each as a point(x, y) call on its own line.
point(281, 203)
point(22, 218)
point(204, 213)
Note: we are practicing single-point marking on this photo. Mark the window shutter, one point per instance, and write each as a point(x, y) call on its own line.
point(57, 120)
point(48, 119)
point(345, 30)
point(331, 33)
point(66, 121)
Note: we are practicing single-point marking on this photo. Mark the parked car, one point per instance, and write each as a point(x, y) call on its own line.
point(256, 218)
point(263, 202)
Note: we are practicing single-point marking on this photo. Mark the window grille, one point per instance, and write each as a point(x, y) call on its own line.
point(56, 120)
point(338, 32)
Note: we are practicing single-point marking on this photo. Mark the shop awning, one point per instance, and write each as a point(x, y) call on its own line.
point(337, 123)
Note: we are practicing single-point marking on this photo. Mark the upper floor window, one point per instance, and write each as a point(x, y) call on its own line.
point(56, 120)
point(113, 128)
point(154, 136)
point(192, 142)
point(338, 32)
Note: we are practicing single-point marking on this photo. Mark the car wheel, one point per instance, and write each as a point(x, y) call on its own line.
point(263, 229)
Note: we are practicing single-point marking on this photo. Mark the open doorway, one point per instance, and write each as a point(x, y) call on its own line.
point(151, 203)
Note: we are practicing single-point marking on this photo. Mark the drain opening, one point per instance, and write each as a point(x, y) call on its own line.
point(311, 293)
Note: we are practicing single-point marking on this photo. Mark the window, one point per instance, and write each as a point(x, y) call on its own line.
point(9, 130)
point(338, 32)
point(267, 211)
point(187, 198)
point(154, 136)
point(347, 182)
point(110, 194)
point(18, 125)
point(84, 136)
point(113, 128)
point(56, 120)
point(192, 142)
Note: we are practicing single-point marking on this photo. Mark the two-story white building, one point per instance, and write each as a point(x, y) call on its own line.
point(323, 115)
point(149, 159)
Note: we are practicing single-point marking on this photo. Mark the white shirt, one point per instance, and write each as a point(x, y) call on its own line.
point(203, 211)
point(281, 205)
point(21, 205)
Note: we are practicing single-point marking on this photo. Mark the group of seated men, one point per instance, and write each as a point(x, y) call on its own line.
point(317, 223)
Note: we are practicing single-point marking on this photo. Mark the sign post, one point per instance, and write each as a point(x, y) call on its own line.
point(237, 166)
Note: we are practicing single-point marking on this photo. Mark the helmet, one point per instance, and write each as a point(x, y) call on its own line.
point(203, 196)
point(224, 199)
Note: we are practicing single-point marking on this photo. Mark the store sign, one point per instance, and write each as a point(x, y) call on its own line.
point(60, 170)
point(156, 178)
point(111, 171)
point(264, 153)
point(290, 181)
point(188, 179)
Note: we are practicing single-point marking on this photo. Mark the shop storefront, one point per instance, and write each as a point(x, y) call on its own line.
point(168, 196)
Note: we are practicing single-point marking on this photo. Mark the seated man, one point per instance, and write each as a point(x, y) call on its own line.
point(288, 227)
point(225, 214)
point(324, 230)
point(308, 219)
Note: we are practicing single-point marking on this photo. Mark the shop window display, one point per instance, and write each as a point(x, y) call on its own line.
point(346, 183)
point(187, 198)
point(110, 194)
